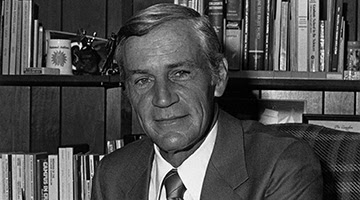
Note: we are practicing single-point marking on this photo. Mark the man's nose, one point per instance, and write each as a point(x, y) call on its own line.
point(164, 94)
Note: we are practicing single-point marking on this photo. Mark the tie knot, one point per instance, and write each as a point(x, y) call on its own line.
point(174, 186)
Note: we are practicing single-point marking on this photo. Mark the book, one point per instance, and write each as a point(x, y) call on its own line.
point(283, 66)
point(245, 45)
point(336, 39)
point(256, 51)
point(314, 20)
point(53, 176)
point(233, 45)
point(40, 46)
point(322, 55)
point(18, 38)
point(276, 36)
point(293, 35)
point(234, 10)
point(41, 71)
point(216, 17)
point(269, 16)
point(35, 43)
point(302, 36)
point(2, 11)
point(6, 37)
point(30, 175)
point(42, 178)
point(66, 169)
point(27, 34)
point(6, 176)
point(13, 36)
point(18, 177)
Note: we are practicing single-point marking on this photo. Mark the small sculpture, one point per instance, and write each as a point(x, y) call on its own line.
point(85, 59)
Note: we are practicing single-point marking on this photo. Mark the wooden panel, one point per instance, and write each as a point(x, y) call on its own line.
point(113, 114)
point(14, 118)
point(140, 4)
point(89, 15)
point(45, 119)
point(83, 117)
point(313, 98)
point(118, 12)
point(50, 13)
point(339, 103)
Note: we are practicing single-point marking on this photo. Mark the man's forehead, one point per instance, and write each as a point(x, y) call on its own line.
point(164, 39)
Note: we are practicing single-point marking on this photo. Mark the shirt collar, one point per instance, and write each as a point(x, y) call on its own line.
point(192, 177)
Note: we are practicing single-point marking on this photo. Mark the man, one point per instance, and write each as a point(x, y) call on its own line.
point(174, 71)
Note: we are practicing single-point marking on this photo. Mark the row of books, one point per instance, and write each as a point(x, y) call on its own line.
point(21, 36)
point(283, 35)
point(40, 176)
point(66, 175)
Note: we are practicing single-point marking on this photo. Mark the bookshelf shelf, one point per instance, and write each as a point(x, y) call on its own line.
point(234, 82)
point(293, 84)
point(59, 80)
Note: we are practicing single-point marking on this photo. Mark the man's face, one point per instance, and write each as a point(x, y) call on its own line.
point(170, 86)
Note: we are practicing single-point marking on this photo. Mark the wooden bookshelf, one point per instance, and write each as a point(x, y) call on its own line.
point(294, 84)
point(59, 80)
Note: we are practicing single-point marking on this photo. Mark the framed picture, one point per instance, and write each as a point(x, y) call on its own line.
point(349, 123)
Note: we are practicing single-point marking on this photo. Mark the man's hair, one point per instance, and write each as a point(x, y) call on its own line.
point(154, 16)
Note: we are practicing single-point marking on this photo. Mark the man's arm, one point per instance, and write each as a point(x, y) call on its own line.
point(296, 175)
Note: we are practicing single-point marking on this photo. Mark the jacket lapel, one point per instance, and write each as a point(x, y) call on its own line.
point(137, 185)
point(227, 168)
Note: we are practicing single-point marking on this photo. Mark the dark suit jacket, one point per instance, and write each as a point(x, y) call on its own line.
point(249, 161)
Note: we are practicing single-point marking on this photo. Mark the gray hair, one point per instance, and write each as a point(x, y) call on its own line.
point(154, 16)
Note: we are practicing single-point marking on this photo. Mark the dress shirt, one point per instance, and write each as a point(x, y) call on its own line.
point(191, 171)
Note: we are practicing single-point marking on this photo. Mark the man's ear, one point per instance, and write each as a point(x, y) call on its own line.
point(223, 78)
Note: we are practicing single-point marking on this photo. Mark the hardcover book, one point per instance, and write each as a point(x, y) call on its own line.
point(256, 52)
point(216, 17)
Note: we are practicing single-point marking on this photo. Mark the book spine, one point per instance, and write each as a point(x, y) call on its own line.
point(284, 36)
point(42, 170)
point(246, 35)
point(234, 10)
point(35, 42)
point(341, 61)
point(216, 17)
point(322, 46)
point(13, 36)
point(6, 40)
point(292, 36)
point(232, 45)
point(256, 35)
point(53, 177)
point(40, 47)
point(302, 36)
point(276, 36)
point(18, 38)
point(27, 21)
point(267, 35)
point(336, 39)
point(314, 19)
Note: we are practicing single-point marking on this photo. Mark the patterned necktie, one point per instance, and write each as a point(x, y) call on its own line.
point(174, 187)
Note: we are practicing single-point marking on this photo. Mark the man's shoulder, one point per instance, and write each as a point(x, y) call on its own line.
point(132, 152)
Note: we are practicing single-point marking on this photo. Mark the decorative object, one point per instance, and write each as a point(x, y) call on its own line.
point(59, 56)
point(350, 123)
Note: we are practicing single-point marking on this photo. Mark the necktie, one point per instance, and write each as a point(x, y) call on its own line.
point(174, 186)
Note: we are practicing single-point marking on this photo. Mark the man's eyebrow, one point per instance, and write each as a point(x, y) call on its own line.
point(138, 71)
point(183, 63)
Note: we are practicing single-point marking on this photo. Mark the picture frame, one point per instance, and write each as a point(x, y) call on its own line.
point(349, 123)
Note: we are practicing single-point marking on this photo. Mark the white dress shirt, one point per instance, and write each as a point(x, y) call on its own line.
point(191, 171)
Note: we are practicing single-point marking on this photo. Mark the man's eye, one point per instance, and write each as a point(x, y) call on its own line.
point(141, 82)
point(181, 74)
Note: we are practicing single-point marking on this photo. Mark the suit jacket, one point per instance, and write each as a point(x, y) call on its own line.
point(249, 161)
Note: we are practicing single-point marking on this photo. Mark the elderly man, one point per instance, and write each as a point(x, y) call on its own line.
point(174, 71)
